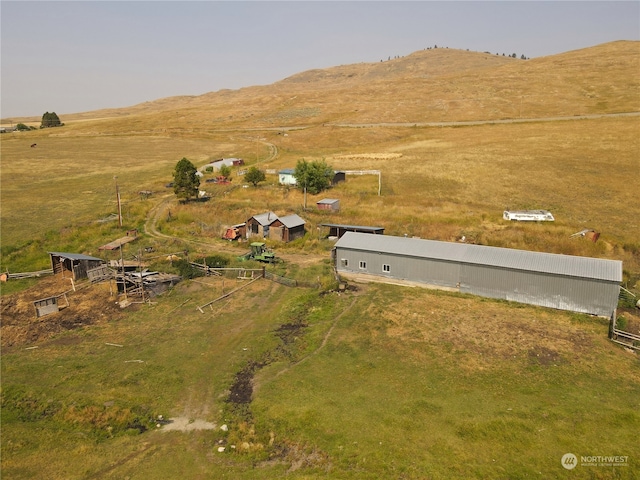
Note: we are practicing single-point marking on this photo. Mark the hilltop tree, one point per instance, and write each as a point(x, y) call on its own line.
point(185, 181)
point(50, 120)
point(314, 176)
point(254, 176)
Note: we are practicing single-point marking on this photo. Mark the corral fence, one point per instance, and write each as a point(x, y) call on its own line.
point(244, 273)
point(627, 339)
point(289, 282)
point(39, 273)
point(622, 337)
point(251, 274)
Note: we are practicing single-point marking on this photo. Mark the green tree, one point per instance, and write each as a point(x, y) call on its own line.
point(225, 171)
point(185, 181)
point(50, 120)
point(254, 176)
point(313, 176)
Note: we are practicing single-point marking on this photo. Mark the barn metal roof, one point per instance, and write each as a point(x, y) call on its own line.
point(568, 265)
point(74, 256)
point(291, 221)
point(266, 218)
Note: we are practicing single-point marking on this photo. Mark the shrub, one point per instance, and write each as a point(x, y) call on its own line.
point(186, 270)
point(217, 261)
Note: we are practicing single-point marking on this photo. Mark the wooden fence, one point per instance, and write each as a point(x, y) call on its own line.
point(289, 282)
point(627, 339)
point(39, 273)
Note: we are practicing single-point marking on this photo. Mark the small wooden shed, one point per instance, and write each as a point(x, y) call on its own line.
point(287, 228)
point(76, 263)
point(258, 225)
point(330, 204)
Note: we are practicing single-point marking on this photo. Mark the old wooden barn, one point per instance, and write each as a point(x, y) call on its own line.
point(287, 228)
point(578, 284)
point(269, 225)
point(258, 225)
point(76, 263)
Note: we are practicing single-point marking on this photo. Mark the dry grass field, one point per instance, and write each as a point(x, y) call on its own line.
point(376, 382)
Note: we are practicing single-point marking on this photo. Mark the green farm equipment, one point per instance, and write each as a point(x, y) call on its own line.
point(259, 252)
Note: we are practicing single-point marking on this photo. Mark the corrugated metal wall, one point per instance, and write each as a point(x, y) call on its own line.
point(595, 297)
point(592, 296)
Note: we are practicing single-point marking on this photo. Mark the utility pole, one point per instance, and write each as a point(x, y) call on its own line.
point(305, 196)
point(118, 200)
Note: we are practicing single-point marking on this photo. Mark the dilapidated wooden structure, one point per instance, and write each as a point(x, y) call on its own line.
point(74, 265)
point(338, 230)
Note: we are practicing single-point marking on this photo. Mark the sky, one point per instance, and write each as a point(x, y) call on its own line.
point(78, 56)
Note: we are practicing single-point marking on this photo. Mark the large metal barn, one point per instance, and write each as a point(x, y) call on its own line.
point(578, 284)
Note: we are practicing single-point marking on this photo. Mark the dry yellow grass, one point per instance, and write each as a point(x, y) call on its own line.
point(453, 382)
point(437, 182)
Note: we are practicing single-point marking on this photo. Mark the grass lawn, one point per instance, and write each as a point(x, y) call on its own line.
point(386, 382)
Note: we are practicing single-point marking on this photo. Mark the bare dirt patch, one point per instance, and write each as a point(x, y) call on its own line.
point(544, 356)
point(90, 305)
point(186, 424)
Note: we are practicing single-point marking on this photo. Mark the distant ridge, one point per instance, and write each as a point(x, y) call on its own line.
point(438, 84)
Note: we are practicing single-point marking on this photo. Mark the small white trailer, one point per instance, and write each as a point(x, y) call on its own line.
point(528, 215)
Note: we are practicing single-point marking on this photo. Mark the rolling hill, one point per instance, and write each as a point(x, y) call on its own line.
point(431, 85)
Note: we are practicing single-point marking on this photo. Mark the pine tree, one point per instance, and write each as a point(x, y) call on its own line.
point(185, 181)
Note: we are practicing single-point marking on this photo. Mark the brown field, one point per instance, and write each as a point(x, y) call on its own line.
point(454, 386)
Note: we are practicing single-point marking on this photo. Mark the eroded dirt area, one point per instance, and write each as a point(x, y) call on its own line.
point(89, 305)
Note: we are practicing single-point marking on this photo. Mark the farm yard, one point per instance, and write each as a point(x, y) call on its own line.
point(237, 376)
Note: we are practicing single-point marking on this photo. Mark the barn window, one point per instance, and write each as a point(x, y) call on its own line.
point(386, 268)
point(344, 262)
point(363, 265)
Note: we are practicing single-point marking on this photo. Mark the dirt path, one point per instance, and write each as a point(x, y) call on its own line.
point(484, 122)
point(257, 384)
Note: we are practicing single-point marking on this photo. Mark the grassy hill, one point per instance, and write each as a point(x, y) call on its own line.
point(378, 381)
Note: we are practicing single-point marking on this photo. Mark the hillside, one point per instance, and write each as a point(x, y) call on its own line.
point(429, 85)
